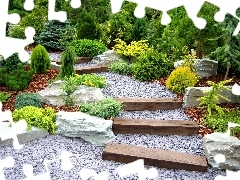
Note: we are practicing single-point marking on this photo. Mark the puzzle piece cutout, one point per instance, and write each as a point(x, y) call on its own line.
point(236, 89)
point(192, 8)
point(16, 128)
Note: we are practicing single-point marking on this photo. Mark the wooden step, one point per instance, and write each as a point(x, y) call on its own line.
point(151, 104)
point(79, 60)
point(154, 127)
point(154, 157)
point(91, 69)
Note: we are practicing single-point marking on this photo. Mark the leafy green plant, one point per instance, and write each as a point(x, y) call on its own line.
point(4, 96)
point(92, 80)
point(16, 80)
point(219, 122)
point(11, 63)
point(106, 108)
point(181, 78)
point(27, 99)
point(68, 60)
point(67, 35)
point(121, 67)
point(17, 32)
point(40, 60)
point(41, 118)
point(88, 48)
point(210, 101)
point(68, 87)
point(152, 65)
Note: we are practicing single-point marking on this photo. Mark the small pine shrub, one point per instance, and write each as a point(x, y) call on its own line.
point(11, 63)
point(121, 67)
point(152, 65)
point(27, 99)
point(181, 78)
point(38, 117)
point(88, 48)
point(4, 96)
point(40, 60)
point(106, 108)
point(68, 60)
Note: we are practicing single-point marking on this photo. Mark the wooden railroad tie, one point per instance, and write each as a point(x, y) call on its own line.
point(91, 69)
point(154, 127)
point(151, 104)
point(154, 157)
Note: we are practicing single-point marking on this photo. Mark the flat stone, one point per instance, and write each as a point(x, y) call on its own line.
point(51, 94)
point(106, 58)
point(24, 136)
point(94, 130)
point(229, 146)
point(193, 93)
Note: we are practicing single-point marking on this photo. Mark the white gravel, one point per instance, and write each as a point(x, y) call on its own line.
point(51, 146)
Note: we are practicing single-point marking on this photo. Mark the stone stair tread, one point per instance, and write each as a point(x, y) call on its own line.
point(125, 153)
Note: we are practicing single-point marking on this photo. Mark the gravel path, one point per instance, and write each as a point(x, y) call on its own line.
point(89, 156)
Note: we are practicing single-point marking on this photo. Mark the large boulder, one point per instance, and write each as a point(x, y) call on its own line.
point(51, 94)
point(106, 58)
point(204, 67)
point(94, 130)
point(193, 93)
point(219, 143)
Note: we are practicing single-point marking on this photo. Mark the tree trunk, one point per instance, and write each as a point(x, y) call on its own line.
point(227, 72)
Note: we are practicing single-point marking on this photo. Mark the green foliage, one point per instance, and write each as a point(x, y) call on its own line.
point(68, 87)
point(106, 108)
point(140, 29)
point(40, 60)
point(52, 34)
point(219, 122)
point(17, 32)
point(67, 35)
point(152, 65)
point(121, 67)
point(211, 99)
point(86, 27)
point(27, 99)
point(88, 48)
point(68, 60)
point(4, 96)
point(92, 80)
point(11, 63)
point(38, 117)
point(181, 78)
point(189, 61)
point(16, 80)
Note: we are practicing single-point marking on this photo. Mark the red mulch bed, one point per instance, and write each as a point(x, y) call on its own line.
point(40, 81)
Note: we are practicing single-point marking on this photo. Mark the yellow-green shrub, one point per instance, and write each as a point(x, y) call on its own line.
point(181, 78)
point(38, 117)
point(132, 50)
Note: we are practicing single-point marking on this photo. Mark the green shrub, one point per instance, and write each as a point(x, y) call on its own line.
point(41, 118)
point(152, 65)
point(11, 63)
point(18, 79)
point(27, 99)
point(106, 108)
point(40, 60)
point(181, 78)
point(51, 36)
point(92, 80)
point(68, 60)
point(17, 32)
point(219, 122)
point(88, 48)
point(4, 96)
point(121, 67)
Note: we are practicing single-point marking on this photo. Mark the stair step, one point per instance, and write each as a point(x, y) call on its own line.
point(151, 104)
point(154, 127)
point(91, 69)
point(154, 157)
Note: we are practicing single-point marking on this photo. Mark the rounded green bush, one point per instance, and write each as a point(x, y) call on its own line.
point(88, 48)
point(17, 32)
point(11, 63)
point(27, 99)
point(121, 67)
point(40, 60)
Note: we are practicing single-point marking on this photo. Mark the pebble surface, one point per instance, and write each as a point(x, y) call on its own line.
point(89, 156)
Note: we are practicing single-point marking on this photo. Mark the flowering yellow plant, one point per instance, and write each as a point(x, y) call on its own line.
point(131, 51)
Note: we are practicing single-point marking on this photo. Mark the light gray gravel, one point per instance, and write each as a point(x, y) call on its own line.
point(51, 146)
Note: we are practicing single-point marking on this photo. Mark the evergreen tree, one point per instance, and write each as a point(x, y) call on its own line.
point(140, 29)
